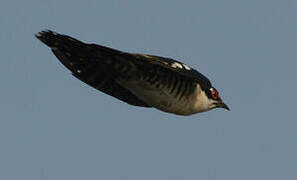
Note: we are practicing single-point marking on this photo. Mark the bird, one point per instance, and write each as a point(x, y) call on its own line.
point(138, 79)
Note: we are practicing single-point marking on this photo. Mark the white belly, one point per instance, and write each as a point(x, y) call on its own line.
point(162, 99)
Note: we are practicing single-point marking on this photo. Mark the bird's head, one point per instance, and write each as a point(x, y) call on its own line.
point(208, 99)
point(214, 99)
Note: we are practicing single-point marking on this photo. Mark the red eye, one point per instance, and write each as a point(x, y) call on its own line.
point(214, 94)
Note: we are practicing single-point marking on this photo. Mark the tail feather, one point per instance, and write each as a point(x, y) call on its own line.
point(93, 64)
point(75, 54)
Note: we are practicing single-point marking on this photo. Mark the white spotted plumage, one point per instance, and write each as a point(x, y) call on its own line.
point(186, 67)
point(176, 65)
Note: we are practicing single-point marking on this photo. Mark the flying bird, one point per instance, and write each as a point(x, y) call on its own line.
point(137, 79)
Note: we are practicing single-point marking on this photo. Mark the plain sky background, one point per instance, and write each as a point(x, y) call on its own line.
point(54, 127)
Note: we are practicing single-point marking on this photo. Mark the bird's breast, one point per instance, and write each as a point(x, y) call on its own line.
point(165, 91)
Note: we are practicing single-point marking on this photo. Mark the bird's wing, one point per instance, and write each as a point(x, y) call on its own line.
point(174, 66)
point(92, 64)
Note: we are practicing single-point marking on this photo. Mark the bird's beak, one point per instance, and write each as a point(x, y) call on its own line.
point(223, 105)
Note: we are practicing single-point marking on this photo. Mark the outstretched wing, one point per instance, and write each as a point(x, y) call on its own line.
point(93, 64)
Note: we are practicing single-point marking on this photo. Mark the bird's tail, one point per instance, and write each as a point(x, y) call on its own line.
point(93, 64)
point(77, 55)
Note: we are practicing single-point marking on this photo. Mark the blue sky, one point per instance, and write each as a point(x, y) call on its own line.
point(55, 127)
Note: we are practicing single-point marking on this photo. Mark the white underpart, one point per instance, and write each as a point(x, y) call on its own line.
point(203, 103)
point(163, 100)
point(176, 65)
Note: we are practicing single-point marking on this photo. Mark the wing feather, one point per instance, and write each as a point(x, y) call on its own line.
point(175, 66)
point(92, 64)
